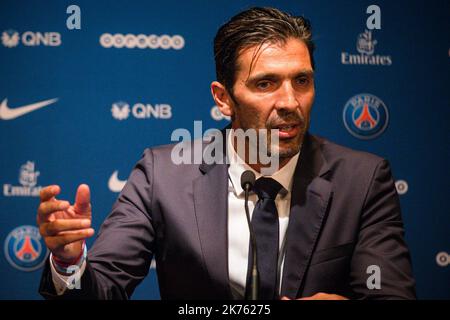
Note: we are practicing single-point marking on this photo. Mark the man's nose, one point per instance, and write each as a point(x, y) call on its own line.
point(287, 98)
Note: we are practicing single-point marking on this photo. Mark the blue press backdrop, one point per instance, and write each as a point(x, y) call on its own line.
point(99, 126)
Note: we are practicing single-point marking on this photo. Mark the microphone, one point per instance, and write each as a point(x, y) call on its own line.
point(247, 183)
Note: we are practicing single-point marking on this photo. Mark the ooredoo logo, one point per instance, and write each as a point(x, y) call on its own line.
point(443, 259)
point(142, 41)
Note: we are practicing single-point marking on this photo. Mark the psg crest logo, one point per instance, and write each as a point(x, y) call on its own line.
point(25, 249)
point(365, 116)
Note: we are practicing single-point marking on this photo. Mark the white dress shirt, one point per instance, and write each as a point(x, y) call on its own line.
point(238, 231)
point(61, 281)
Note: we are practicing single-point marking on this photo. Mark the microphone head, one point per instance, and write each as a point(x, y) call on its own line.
point(247, 178)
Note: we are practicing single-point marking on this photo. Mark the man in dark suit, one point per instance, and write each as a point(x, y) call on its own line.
point(335, 228)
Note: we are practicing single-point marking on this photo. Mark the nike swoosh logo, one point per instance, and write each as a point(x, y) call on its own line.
point(8, 114)
point(114, 184)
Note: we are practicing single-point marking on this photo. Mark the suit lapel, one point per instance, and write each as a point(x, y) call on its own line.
point(310, 197)
point(211, 211)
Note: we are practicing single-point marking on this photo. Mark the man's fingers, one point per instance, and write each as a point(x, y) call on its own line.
point(45, 208)
point(49, 192)
point(324, 296)
point(83, 199)
point(317, 296)
point(53, 228)
point(62, 240)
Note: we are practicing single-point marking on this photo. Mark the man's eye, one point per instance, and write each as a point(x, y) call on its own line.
point(263, 85)
point(303, 81)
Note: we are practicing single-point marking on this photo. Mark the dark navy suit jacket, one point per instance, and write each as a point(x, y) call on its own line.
point(345, 216)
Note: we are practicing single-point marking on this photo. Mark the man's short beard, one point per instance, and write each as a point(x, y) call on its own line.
point(287, 152)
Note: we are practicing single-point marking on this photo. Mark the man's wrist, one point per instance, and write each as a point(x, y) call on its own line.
point(63, 267)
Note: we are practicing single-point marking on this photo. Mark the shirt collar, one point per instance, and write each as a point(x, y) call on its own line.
point(284, 176)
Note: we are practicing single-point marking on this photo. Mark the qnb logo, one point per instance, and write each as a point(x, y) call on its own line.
point(217, 115)
point(443, 259)
point(121, 111)
point(365, 45)
point(142, 41)
point(28, 179)
point(12, 38)
point(365, 116)
point(25, 249)
point(401, 186)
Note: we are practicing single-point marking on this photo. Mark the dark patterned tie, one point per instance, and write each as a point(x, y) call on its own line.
point(265, 225)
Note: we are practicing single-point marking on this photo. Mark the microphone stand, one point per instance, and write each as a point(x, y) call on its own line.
point(254, 274)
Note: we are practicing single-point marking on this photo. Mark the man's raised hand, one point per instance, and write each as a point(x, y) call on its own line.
point(64, 227)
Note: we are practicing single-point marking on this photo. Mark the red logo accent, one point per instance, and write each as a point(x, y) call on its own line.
point(365, 117)
point(27, 252)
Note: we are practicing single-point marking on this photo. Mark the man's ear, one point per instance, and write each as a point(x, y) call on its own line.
point(222, 98)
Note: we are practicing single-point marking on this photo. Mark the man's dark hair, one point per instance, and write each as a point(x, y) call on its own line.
point(255, 27)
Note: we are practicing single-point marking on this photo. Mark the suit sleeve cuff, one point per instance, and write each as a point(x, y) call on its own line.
point(63, 278)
